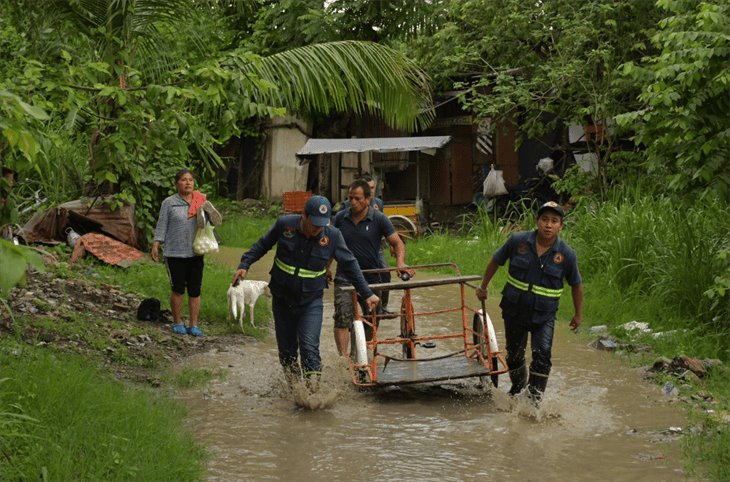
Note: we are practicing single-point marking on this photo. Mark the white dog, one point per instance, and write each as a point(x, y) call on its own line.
point(245, 292)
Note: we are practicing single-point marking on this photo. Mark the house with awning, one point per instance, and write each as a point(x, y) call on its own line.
point(400, 165)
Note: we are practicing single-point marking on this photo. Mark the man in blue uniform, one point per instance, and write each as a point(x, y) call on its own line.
point(538, 262)
point(362, 228)
point(304, 246)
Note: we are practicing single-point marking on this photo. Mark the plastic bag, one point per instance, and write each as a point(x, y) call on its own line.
point(205, 241)
point(494, 183)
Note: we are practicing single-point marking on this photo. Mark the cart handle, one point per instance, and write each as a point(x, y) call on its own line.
point(415, 283)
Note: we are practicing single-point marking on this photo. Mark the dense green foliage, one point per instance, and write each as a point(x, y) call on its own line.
point(279, 25)
point(685, 111)
point(62, 420)
point(143, 88)
point(541, 63)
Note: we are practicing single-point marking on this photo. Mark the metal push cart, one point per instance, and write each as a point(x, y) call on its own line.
point(478, 355)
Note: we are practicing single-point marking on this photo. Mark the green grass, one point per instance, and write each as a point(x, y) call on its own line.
point(241, 228)
point(149, 280)
point(60, 419)
point(194, 377)
point(73, 326)
point(659, 251)
point(709, 447)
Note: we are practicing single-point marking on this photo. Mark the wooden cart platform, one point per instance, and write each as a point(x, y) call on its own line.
point(397, 371)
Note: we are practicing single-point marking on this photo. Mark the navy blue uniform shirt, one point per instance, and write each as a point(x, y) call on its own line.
point(363, 239)
point(548, 271)
point(296, 250)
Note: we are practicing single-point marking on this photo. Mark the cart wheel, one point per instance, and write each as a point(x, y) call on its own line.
point(405, 228)
point(478, 336)
point(359, 346)
point(406, 330)
point(359, 350)
point(481, 342)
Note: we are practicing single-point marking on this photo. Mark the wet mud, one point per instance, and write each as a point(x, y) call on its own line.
point(598, 420)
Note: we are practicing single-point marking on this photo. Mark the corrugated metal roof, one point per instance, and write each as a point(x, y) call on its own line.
point(374, 144)
point(106, 249)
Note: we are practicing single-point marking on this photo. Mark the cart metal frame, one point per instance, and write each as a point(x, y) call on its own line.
point(480, 357)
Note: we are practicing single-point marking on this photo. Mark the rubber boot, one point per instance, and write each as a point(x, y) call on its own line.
point(311, 379)
point(292, 374)
point(518, 377)
point(536, 386)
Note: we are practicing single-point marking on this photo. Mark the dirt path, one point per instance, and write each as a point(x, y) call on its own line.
point(599, 421)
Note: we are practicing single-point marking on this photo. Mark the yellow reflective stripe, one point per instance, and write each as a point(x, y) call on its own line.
point(538, 290)
point(303, 273)
point(284, 267)
point(550, 293)
point(517, 284)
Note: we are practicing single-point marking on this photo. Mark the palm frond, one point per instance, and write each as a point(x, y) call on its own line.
point(349, 75)
point(152, 55)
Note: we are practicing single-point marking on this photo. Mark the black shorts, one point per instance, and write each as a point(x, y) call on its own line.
point(185, 272)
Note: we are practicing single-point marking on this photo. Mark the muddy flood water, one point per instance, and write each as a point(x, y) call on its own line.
point(598, 421)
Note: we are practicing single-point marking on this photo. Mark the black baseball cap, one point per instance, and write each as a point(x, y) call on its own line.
point(553, 206)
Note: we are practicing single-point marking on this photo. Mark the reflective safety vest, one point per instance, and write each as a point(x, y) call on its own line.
point(294, 271)
point(538, 290)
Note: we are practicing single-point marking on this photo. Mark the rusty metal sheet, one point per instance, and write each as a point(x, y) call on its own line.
point(84, 216)
point(106, 249)
point(121, 224)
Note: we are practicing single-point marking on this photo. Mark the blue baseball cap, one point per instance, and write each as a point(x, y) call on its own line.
point(319, 210)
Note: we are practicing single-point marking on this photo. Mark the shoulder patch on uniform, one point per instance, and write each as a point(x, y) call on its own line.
point(324, 241)
point(288, 232)
point(523, 247)
point(558, 258)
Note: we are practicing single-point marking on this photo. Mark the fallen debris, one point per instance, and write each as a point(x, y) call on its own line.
point(83, 216)
point(639, 326)
point(106, 249)
point(605, 344)
point(679, 365)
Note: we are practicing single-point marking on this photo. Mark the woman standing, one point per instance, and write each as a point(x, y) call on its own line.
point(176, 227)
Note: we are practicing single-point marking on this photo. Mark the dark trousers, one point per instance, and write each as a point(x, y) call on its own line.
point(518, 324)
point(298, 330)
point(541, 342)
